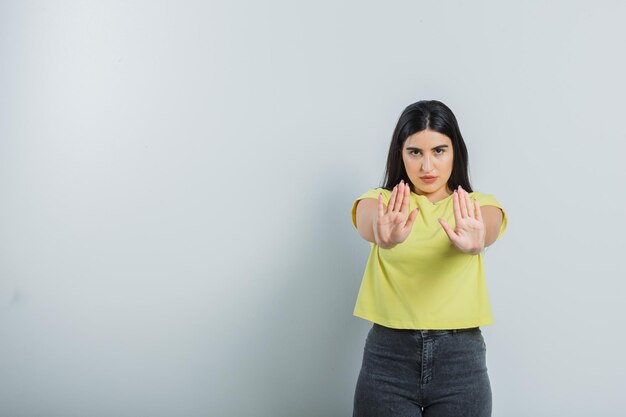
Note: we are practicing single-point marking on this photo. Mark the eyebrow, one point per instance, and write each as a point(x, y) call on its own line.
point(411, 148)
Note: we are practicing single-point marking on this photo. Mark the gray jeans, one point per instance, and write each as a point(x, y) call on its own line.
point(430, 373)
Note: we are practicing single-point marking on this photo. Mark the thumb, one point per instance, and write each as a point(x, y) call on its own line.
point(447, 229)
point(411, 219)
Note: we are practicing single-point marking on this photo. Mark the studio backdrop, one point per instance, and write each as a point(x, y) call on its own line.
point(176, 180)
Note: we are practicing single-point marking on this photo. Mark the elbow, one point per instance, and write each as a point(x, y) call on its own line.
point(490, 239)
point(367, 235)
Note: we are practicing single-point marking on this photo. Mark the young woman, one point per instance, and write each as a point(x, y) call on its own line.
point(424, 284)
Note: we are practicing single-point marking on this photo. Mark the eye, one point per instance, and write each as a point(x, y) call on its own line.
point(440, 151)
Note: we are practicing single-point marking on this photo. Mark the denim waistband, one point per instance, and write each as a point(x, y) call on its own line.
point(430, 332)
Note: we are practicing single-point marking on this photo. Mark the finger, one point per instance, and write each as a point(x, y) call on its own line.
point(405, 200)
point(447, 229)
point(468, 204)
point(457, 209)
point(392, 199)
point(462, 203)
point(381, 209)
point(479, 214)
point(411, 219)
point(399, 197)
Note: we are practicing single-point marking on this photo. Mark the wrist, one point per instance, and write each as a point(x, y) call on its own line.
point(475, 251)
point(382, 244)
point(386, 245)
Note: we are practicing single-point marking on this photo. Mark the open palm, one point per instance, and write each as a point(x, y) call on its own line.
point(392, 225)
point(469, 234)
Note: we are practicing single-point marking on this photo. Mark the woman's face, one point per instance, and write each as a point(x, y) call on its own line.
point(429, 154)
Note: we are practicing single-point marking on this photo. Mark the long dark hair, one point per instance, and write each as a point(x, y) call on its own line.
point(433, 115)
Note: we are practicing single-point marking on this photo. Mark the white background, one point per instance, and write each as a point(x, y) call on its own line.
point(176, 180)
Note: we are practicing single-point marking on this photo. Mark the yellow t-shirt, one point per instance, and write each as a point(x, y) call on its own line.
point(425, 282)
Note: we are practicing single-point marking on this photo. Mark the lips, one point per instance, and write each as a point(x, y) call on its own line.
point(428, 179)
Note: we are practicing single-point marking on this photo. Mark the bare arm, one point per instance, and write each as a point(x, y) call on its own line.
point(366, 212)
point(365, 216)
point(492, 218)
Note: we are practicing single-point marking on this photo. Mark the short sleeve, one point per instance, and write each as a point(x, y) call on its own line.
point(372, 193)
point(490, 200)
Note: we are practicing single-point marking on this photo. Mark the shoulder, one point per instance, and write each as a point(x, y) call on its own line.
point(495, 215)
point(373, 193)
point(485, 199)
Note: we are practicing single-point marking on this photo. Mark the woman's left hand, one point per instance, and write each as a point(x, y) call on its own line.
point(469, 234)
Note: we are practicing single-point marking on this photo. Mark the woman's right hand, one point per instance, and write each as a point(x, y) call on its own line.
point(391, 225)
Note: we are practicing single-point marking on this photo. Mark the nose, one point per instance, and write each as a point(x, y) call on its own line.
point(426, 165)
